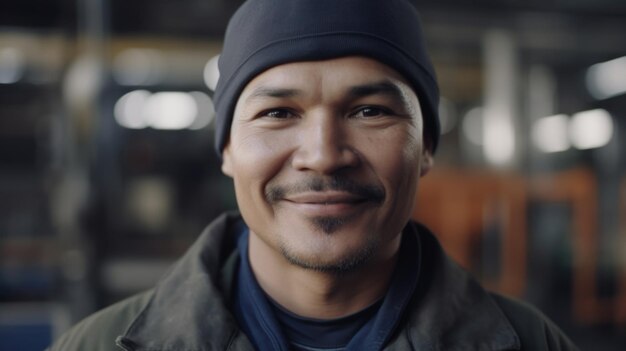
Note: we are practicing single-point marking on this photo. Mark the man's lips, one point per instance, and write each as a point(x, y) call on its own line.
point(324, 190)
point(326, 204)
point(325, 198)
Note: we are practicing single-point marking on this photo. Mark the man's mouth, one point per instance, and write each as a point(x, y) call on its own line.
point(327, 203)
point(325, 198)
point(319, 191)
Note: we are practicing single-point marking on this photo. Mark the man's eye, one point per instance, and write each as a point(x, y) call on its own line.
point(371, 111)
point(277, 113)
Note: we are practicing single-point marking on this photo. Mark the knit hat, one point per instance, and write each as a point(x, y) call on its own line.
point(267, 33)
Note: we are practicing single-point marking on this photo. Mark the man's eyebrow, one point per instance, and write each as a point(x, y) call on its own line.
point(272, 92)
point(383, 87)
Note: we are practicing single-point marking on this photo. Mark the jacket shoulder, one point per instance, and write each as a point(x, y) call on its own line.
point(535, 330)
point(98, 331)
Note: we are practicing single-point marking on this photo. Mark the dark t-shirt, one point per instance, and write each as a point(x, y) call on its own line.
point(308, 334)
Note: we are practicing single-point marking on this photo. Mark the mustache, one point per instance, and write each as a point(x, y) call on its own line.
point(375, 193)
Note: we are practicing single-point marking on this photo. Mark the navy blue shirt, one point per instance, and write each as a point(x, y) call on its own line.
point(310, 334)
point(269, 327)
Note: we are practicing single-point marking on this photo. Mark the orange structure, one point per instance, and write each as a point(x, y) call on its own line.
point(459, 205)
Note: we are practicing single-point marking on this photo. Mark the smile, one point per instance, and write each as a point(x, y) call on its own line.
point(331, 203)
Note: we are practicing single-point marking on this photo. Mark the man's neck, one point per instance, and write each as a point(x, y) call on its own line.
point(321, 295)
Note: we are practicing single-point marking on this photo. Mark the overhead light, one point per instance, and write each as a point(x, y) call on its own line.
point(591, 129)
point(11, 65)
point(607, 79)
point(447, 115)
point(128, 110)
point(164, 110)
point(170, 110)
point(499, 141)
point(206, 110)
point(500, 97)
point(83, 81)
point(550, 134)
point(473, 125)
point(212, 73)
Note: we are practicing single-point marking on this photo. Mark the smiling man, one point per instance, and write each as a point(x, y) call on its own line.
point(326, 156)
point(326, 120)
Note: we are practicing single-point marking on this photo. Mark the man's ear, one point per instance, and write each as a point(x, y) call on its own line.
point(227, 163)
point(428, 161)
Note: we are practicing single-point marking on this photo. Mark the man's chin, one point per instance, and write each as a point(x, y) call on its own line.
point(320, 262)
point(329, 225)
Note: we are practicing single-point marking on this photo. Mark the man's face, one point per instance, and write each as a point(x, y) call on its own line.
point(325, 158)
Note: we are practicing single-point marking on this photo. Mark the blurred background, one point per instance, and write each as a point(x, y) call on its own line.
point(107, 168)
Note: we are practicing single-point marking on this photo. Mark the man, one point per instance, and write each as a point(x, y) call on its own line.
point(327, 118)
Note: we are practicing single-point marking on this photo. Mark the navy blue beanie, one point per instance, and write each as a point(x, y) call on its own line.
point(267, 33)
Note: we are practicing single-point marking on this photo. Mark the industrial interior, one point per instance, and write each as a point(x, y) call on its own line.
point(108, 171)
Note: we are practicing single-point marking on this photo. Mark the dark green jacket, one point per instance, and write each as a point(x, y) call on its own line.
point(188, 309)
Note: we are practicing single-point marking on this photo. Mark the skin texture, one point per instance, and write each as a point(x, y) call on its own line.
point(325, 158)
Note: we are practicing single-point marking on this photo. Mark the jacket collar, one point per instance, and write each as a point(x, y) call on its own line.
point(450, 310)
point(188, 310)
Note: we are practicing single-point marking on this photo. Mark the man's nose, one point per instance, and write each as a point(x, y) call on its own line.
point(325, 145)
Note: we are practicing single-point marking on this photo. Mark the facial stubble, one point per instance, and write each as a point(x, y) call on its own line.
point(329, 225)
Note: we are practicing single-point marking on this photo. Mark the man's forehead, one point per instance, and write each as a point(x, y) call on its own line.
point(276, 91)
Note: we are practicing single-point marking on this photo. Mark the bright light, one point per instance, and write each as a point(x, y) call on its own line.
point(499, 142)
point(550, 134)
point(170, 110)
point(607, 79)
point(206, 110)
point(83, 81)
point(591, 129)
point(500, 97)
point(447, 115)
point(473, 125)
point(212, 73)
point(11, 65)
point(137, 67)
point(164, 110)
point(128, 109)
